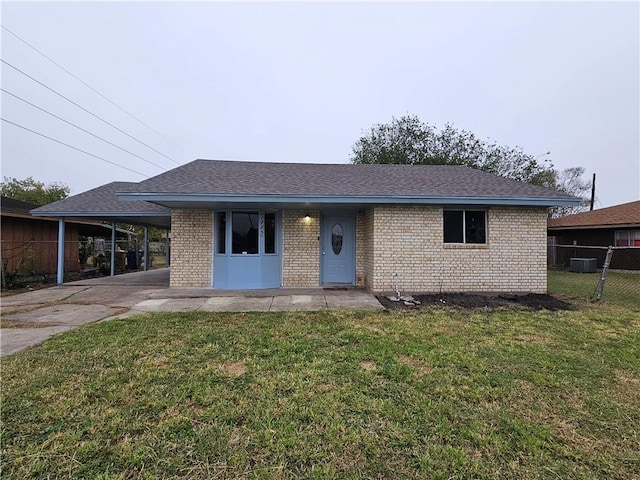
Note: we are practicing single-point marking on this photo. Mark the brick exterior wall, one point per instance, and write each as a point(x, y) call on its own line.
point(191, 248)
point(408, 241)
point(402, 240)
point(367, 247)
point(300, 249)
point(361, 248)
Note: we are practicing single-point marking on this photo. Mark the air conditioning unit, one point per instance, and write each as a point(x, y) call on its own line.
point(583, 265)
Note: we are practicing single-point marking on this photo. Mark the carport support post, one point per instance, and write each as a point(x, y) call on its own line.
point(166, 248)
point(146, 248)
point(60, 276)
point(113, 249)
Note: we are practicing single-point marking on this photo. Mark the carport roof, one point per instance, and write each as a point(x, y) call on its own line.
point(102, 203)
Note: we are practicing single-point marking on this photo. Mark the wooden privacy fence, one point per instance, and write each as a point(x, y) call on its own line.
point(33, 246)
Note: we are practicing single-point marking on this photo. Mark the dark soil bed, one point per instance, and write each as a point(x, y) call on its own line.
point(529, 301)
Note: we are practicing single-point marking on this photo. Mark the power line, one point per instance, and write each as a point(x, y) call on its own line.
point(86, 110)
point(70, 146)
point(94, 90)
point(80, 128)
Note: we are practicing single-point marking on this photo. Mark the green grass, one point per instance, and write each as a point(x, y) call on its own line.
point(440, 393)
point(620, 288)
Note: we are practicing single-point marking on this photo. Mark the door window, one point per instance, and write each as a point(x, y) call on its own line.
point(337, 235)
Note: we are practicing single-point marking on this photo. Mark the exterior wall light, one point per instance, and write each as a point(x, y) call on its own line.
point(307, 217)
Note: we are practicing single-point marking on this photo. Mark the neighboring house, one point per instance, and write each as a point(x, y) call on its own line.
point(617, 226)
point(250, 225)
point(29, 244)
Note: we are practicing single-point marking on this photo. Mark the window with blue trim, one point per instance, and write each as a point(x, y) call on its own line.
point(221, 237)
point(270, 233)
point(244, 233)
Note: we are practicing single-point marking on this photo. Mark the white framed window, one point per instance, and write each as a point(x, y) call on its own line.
point(627, 238)
point(465, 226)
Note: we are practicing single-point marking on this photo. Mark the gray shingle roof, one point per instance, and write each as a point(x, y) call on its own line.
point(298, 180)
point(255, 178)
point(102, 202)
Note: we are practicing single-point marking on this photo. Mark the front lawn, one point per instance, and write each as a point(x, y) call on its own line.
point(436, 393)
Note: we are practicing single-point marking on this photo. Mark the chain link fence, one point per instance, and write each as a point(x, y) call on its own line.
point(607, 274)
point(34, 262)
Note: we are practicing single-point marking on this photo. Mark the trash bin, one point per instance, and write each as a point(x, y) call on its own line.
point(132, 260)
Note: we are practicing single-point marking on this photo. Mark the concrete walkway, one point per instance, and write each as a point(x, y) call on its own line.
point(286, 300)
point(33, 317)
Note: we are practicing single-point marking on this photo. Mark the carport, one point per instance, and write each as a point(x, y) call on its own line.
point(101, 204)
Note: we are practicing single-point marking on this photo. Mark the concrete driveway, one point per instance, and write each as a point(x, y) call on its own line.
point(31, 318)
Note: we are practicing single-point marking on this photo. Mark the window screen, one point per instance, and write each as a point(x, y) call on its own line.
point(474, 227)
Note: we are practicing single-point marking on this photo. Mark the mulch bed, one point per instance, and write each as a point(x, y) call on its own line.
point(529, 301)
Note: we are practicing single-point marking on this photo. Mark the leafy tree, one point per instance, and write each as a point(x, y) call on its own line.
point(33, 191)
point(570, 181)
point(408, 140)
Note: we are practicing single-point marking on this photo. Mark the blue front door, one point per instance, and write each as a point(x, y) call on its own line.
point(338, 249)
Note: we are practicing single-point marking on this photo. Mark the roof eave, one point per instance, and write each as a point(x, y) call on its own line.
point(100, 214)
point(594, 227)
point(348, 199)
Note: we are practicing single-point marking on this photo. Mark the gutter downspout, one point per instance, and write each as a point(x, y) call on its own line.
point(166, 248)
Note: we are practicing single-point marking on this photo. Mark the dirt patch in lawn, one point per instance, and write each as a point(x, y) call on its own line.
point(419, 367)
point(531, 301)
point(235, 369)
point(367, 365)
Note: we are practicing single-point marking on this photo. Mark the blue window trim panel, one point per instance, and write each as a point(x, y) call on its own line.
point(251, 271)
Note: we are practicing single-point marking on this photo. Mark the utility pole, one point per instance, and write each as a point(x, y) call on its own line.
point(593, 190)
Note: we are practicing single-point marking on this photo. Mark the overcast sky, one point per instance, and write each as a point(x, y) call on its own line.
point(300, 82)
